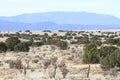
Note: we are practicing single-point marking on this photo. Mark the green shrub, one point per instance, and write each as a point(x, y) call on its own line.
point(91, 53)
point(113, 41)
point(59, 43)
point(62, 44)
point(105, 65)
point(106, 51)
point(21, 47)
point(111, 61)
point(83, 40)
point(37, 44)
point(92, 56)
point(3, 47)
point(11, 42)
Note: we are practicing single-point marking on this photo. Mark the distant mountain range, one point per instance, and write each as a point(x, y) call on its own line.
point(59, 21)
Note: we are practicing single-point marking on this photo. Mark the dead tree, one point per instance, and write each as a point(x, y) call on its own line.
point(55, 67)
point(25, 71)
point(88, 71)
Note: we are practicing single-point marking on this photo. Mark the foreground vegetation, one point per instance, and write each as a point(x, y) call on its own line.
point(98, 47)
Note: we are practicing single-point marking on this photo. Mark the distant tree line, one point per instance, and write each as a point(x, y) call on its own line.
point(14, 44)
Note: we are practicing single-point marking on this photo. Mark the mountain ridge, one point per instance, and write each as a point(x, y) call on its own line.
point(59, 21)
point(83, 18)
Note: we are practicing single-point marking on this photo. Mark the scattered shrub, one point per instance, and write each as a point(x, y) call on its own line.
point(46, 63)
point(11, 42)
point(17, 64)
point(35, 61)
point(21, 47)
point(111, 61)
point(3, 47)
point(53, 60)
point(91, 53)
point(37, 44)
point(63, 68)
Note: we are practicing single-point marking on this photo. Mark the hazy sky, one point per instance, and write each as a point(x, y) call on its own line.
point(15, 7)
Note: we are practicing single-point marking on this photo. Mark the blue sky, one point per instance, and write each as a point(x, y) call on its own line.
point(16, 7)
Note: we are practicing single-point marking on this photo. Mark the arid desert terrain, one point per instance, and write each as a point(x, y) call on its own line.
point(52, 60)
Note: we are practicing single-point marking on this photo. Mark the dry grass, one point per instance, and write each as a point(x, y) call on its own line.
point(33, 60)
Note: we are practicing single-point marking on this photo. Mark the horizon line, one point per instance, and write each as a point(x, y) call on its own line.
point(59, 12)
